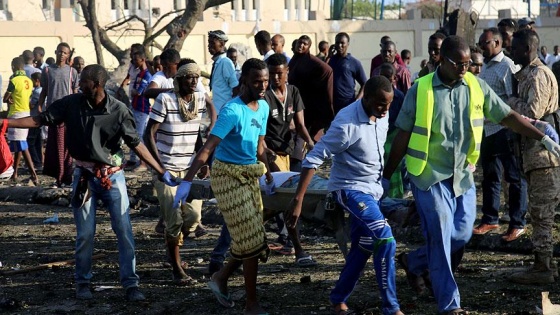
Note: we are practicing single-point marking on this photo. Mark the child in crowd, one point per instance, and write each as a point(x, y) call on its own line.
point(34, 137)
point(17, 96)
point(140, 105)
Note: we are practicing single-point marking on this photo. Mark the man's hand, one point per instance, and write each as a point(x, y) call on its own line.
point(182, 193)
point(269, 187)
point(310, 145)
point(292, 213)
point(386, 184)
point(551, 146)
point(169, 179)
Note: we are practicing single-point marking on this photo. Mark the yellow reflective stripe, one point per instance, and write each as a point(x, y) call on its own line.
point(478, 122)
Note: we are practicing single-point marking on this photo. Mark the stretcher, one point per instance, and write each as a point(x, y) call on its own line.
point(317, 206)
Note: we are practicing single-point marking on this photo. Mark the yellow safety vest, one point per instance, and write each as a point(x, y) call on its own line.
point(417, 152)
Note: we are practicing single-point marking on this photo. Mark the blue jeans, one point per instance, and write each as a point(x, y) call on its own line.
point(370, 234)
point(447, 222)
point(116, 201)
point(496, 157)
point(141, 120)
point(35, 146)
point(219, 253)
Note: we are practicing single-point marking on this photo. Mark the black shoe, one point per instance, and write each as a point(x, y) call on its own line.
point(83, 292)
point(133, 294)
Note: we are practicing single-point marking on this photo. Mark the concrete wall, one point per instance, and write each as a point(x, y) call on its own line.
point(16, 36)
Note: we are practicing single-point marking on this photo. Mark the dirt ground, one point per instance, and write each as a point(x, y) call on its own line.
point(284, 288)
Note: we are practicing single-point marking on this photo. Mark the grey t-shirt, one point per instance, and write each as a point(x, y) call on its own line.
point(61, 81)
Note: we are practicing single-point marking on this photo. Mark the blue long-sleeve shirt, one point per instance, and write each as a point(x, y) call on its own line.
point(355, 144)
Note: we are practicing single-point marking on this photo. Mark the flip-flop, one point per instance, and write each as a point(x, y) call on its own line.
point(343, 312)
point(184, 281)
point(275, 246)
point(286, 251)
point(224, 300)
point(306, 261)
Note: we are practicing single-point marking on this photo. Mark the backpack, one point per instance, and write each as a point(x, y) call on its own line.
point(7, 159)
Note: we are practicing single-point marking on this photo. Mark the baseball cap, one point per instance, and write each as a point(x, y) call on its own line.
point(525, 21)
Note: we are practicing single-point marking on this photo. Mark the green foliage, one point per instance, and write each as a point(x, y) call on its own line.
point(365, 9)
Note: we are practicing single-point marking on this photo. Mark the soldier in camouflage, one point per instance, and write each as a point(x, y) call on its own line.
point(536, 96)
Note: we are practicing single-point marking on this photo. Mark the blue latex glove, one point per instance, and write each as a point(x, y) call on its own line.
point(169, 179)
point(269, 188)
point(182, 193)
point(549, 131)
point(385, 183)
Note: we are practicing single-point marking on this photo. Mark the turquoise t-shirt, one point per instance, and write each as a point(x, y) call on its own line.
point(239, 127)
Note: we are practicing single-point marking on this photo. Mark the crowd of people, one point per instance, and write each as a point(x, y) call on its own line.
point(395, 134)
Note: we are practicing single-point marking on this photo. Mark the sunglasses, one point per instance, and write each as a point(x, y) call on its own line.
point(459, 65)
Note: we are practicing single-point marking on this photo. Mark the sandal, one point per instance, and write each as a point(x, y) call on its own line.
point(306, 261)
point(224, 300)
point(286, 251)
point(200, 231)
point(457, 311)
point(275, 246)
point(182, 281)
point(342, 312)
point(184, 264)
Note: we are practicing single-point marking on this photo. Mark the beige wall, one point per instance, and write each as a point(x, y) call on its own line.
point(364, 44)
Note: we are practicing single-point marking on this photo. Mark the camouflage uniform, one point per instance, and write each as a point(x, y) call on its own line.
point(538, 96)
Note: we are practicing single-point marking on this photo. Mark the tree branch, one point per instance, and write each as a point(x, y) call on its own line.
point(125, 21)
point(164, 16)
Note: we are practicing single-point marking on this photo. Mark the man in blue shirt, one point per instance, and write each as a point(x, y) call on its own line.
point(355, 141)
point(238, 139)
point(347, 70)
point(223, 78)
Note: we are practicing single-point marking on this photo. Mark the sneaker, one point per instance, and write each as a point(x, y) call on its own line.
point(83, 292)
point(133, 294)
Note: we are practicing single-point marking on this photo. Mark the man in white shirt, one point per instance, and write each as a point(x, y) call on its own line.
point(554, 57)
point(264, 44)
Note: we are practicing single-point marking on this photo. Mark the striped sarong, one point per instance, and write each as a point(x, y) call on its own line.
point(236, 188)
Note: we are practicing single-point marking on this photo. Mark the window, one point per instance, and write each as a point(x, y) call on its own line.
point(179, 4)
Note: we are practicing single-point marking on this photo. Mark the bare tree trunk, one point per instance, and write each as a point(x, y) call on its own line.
point(178, 29)
point(181, 27)
point(90, 15)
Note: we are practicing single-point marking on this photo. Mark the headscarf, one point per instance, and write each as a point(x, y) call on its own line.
point(219, 34)
point(188, 110)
